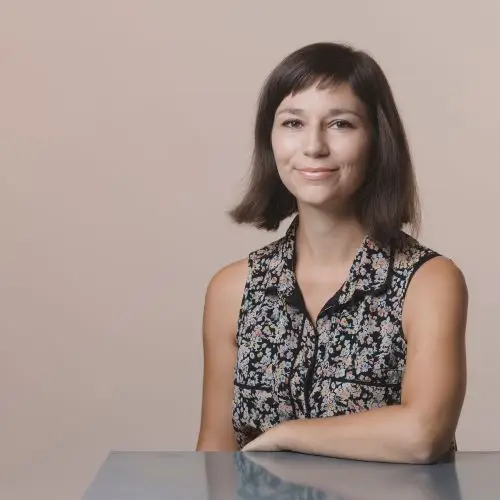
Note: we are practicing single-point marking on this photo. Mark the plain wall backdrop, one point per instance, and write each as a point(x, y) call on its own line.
point(125, 136)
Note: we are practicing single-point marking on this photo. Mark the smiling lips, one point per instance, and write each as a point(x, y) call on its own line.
point(317, 173)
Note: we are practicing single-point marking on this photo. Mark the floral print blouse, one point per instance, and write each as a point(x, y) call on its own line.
point(352, 359)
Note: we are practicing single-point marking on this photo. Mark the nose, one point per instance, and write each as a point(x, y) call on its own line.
point(315, 143)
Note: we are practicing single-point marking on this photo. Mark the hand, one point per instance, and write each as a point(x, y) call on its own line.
point(268, 441)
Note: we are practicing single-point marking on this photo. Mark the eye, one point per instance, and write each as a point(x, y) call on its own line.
point(292, 123)
point(340, 124)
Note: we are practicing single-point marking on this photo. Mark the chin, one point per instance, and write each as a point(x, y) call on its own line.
point(316, 202)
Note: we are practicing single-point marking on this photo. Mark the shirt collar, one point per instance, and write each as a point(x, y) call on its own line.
point(370, 271)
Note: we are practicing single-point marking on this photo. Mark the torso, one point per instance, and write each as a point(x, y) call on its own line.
point(305, 353)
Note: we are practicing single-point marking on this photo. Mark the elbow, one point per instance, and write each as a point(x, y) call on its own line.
point(425, 454)
point(427, 446)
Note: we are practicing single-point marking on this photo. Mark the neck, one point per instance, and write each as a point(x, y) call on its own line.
point(326, 240)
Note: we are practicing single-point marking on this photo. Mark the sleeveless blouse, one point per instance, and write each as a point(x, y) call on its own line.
point(353, 359)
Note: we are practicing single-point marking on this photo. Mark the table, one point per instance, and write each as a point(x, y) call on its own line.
point(290, 476)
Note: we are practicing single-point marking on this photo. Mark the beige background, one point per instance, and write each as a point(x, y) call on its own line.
point(125, 130)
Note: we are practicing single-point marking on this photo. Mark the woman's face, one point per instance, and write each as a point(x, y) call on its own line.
point(321, 142)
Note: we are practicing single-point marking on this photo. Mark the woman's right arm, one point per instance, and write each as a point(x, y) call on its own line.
point(220, 317)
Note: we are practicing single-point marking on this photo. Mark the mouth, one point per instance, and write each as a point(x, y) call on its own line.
point(317, 173)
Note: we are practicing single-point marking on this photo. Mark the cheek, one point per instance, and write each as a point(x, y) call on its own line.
point(354, 157)
point(352, 152)
point(284, 148)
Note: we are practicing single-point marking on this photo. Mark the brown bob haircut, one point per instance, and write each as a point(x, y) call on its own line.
point(388, 198)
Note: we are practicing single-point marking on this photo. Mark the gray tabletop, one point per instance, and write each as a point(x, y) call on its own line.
point(218, 475)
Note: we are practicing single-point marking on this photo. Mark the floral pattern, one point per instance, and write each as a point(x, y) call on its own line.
point(353, 359)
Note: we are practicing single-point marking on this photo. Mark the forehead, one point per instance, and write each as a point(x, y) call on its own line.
point(315, 99)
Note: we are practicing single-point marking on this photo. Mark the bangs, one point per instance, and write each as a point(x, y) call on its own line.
point(322, 82)
point(301, 78)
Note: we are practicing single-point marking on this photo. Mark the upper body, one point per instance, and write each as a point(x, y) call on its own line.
point(346, 337)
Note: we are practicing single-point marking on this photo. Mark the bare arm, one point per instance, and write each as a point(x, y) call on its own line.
point(220, 317)
point(421, 428)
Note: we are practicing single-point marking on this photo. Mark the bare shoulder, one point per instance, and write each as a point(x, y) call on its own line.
point(439, 274)
point(223, 298)
point(437, 290)
point(229, 279)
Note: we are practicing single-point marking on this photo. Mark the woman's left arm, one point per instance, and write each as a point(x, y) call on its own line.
point(421, 428)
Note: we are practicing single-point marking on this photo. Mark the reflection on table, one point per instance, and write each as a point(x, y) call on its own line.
point(290, 476)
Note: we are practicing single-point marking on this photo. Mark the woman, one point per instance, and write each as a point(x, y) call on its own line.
point(346, 337)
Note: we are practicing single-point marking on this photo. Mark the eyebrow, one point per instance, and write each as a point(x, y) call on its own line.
point(331, 112)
